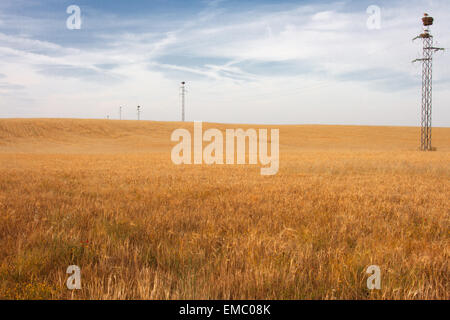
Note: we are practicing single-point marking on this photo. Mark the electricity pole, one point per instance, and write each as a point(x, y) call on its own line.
point(139, 112)
point(183, 96)
point(427, 81)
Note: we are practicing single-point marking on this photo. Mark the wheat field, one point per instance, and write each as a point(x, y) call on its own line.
point(104, 195)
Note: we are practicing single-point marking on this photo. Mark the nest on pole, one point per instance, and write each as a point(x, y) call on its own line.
point(427, 20)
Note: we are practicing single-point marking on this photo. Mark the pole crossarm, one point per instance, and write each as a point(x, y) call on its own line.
point(434, 48)
point(421, 59)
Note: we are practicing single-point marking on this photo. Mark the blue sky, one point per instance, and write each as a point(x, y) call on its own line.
point(244, 61)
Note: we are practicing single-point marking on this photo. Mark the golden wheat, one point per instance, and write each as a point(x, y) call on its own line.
point(105, 196)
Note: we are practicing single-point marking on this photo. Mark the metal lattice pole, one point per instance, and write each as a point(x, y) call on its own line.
point(427, 82)
point(427, 78)
point(183, 96)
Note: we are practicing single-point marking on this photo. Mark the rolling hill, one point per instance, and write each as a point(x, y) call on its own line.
point(99, 136)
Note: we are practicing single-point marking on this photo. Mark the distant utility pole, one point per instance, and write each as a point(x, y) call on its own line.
point(427, 79)
point(120, 113)
point(183, 97)
point(139, 112)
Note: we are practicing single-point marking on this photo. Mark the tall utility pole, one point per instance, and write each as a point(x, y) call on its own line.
point(183, 96)
point(427, 81)
point(139, 112)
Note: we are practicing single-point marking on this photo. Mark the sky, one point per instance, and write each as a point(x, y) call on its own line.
point(244, 61)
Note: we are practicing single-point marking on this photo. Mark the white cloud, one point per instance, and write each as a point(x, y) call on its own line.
point(337, 70)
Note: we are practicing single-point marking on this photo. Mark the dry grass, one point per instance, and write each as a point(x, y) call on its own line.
point(105, 196)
